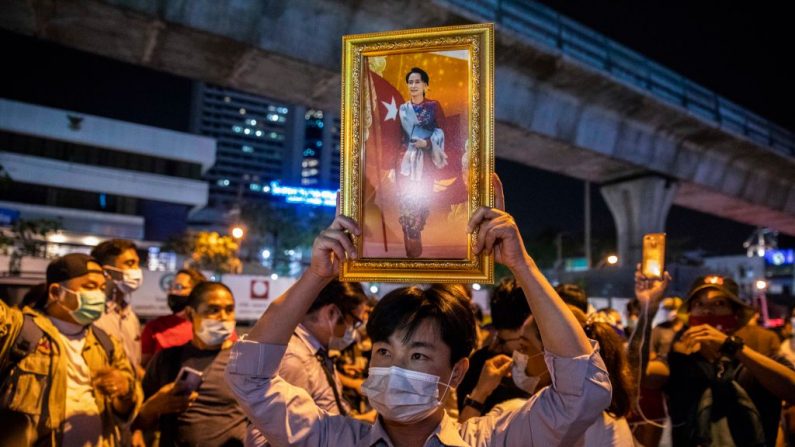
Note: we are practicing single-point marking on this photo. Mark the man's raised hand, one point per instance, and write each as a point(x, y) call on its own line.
point(333, 246)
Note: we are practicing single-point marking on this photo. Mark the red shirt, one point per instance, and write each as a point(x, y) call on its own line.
point(165, 332)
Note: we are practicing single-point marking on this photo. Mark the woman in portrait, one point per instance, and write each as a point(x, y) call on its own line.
point(421, 153)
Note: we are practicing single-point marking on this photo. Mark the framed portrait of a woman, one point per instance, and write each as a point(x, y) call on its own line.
point(417, 152)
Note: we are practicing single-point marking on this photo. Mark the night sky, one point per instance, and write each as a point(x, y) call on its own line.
point(737, 52)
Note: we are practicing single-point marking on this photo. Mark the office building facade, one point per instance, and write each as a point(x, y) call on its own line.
point(100, 178)
point(260, 141)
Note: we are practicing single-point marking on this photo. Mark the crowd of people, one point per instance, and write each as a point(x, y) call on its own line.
point(328, 365)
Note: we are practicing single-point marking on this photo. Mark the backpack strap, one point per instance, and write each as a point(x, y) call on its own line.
point(104, 340)
point(27, 340)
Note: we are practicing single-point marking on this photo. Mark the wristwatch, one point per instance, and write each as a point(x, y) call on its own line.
point(469, 402)
point(732, 346)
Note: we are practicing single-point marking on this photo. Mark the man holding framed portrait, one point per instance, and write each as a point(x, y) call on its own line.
point(421, 342)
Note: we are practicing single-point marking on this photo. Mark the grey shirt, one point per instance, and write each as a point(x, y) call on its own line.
point(300, 367)
point(558, 415)
point(122, 323)
point(215, 418)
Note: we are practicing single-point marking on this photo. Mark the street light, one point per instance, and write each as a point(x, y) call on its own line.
point(612, 259)
point(761, 284)
point(238, 232)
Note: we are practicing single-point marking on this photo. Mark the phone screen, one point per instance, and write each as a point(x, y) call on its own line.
point(653, 264)
point(188, 380)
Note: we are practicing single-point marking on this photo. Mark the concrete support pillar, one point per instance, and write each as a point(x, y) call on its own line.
point(639, 206)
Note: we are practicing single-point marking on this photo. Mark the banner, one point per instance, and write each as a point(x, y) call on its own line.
point(252, 294)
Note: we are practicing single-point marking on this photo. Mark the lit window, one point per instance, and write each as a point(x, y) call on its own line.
point(248, 149)
point(252, 122)
point(237, 129)
point(246, 131)
point(283, 110)
point(255, 187)
point(227, 99)
point(258, 133)
point(242, 111)
point(223, 182)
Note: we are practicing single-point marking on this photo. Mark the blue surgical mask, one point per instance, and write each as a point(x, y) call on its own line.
point(90, 305)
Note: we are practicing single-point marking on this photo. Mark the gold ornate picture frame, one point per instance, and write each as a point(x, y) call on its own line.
point(417, 152)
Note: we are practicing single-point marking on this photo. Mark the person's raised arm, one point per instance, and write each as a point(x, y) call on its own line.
point(330, 248)
point(497, 231)
point(580, 390)
point(649, 292)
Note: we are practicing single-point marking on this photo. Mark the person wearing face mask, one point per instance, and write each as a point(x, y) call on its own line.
point(509, 311)
point(421, 342)
point(64, 381)
point(723, 378)
point(210, 415)
point(119, 259)
point(530, 373)
point(171, 330)
point(329, 324)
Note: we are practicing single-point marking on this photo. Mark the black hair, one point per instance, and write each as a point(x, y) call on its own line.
point(574, 295)
point(509, 308)
point(347, 296)
point(197, 295)
point(613, 353)
point(107, 252)
point(196, 277)
point(421, 72)
point(406, 308)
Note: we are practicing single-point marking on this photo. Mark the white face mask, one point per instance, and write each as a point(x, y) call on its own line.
point(524, 382)
point(215, 332)
point(131, 279)
point(402, 395)
point(340, 343)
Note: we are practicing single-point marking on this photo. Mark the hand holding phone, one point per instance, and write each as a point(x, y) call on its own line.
point(188, 380)
point(653, 264)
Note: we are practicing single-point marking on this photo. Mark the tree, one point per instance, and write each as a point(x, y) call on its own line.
point(26, 238)
point(208, 251)
point(283, 227)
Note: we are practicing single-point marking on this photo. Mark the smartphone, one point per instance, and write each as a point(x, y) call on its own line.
point(188, 381)
point(653, 264)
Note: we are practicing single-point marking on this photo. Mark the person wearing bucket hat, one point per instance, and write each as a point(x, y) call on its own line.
point(64, 380)
point(724, 381)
